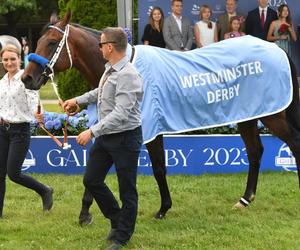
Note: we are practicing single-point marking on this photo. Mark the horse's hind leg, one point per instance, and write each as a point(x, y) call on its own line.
point(157, 157)
point(254, 148)
point(286, 132)
point(85, 218)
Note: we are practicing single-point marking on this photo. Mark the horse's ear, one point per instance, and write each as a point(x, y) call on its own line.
point(53, 17)
point(66, 18)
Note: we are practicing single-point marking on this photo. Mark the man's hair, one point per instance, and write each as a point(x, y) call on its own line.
point(228, 0)
point(117, 36)
point(10, 48)
point(173, 1)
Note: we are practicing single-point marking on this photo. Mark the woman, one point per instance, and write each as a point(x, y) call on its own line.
point(25, 51)
point(205, 30)
point(16, 111)
point(235, 28)
point(153, 30)
point(282, 30)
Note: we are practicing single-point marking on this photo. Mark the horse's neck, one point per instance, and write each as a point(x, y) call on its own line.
point(87, 58)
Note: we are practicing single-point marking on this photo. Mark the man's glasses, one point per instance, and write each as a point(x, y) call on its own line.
point(101, 43)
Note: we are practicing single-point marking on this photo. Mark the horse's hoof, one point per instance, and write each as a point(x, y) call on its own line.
point(159, 215)
point(85, 219)
point(239, 206)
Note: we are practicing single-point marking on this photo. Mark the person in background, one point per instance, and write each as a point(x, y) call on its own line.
point(17, 108)
point(177, 30)
point(282, 31)
point(118, 136)
point(235, 28)
point(223, 20)
point(205, 30)
point(25, 51)
point(153, 34)
point(259, 20)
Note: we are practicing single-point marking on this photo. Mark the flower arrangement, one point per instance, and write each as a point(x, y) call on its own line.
point(54, 122)
point(283, 29)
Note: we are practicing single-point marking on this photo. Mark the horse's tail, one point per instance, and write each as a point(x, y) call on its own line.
point(293, 110)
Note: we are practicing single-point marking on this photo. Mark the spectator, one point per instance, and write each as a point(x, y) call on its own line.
point(282, 30)
point(259, 20)
point(16, 111)
point(177, 29)
point(235, 28)
point(25, 51)
point(205, 30)
point(223, 20)
point(153, 30)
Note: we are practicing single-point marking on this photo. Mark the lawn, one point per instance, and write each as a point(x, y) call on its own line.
point(47, 93)
point(201, 217)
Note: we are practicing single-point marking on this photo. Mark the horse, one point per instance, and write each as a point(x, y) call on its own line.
point(80, 50)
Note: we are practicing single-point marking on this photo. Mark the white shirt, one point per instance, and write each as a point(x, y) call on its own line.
point(178, 21)
point(17, 104)
point(265, 11)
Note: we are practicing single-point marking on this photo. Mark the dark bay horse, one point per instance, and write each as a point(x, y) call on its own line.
point(80, 50)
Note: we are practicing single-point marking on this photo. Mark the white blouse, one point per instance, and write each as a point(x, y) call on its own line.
point(206, 35)
point(17, 104)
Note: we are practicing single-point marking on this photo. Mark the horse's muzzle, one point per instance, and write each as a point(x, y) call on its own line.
point(31, 84)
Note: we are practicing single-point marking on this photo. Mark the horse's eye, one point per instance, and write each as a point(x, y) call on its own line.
point(53, 43)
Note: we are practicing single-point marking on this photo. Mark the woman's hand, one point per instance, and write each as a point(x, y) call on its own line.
point(39, 117)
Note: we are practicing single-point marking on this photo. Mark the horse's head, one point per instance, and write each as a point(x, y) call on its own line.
point(53, 54)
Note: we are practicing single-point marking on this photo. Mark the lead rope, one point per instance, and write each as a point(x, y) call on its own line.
point(65, 144)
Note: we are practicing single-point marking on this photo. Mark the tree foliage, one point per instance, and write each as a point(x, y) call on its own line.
point(10, 6)
point(91, 13)
point(27, 11)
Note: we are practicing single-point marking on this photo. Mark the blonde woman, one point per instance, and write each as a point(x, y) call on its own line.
point(205, 30)
point(16, 111)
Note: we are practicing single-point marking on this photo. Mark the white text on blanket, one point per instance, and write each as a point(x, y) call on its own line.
point(222, 76)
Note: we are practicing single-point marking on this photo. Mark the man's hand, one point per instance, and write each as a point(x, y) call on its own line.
point(84, 137)
point(70, 105)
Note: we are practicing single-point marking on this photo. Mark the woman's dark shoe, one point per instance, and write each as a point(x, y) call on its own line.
point(47, 199)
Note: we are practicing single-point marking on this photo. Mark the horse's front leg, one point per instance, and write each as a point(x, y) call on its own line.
point(157, 157)
point(85, 218)
point(254, 148)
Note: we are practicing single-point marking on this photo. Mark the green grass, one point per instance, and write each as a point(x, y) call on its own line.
point(53, 108)
point(201, 216)
point(47, 92)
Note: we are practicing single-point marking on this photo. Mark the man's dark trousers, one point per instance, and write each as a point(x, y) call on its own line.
point(123, 150)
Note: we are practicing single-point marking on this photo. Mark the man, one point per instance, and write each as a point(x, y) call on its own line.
point(177, 29)
point(223, 20)
point(118, 136)
point(259, 20)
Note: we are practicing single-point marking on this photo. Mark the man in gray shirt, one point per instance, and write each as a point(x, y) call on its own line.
point(118, 136)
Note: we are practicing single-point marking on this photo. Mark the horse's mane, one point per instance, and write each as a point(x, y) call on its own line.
point(94, 32)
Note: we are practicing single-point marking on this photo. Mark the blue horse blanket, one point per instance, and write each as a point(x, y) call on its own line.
point(231, 81)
